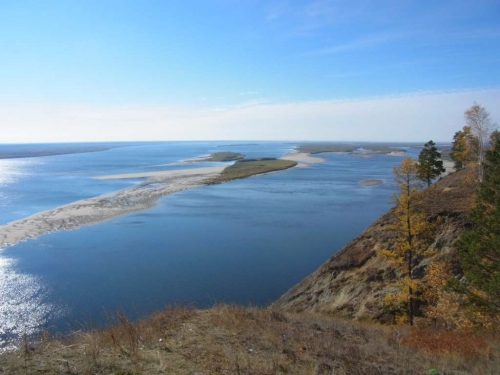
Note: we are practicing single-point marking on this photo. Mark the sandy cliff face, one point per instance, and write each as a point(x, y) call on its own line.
point(353, 282)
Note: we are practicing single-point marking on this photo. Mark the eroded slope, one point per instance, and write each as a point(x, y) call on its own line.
point(353, 281)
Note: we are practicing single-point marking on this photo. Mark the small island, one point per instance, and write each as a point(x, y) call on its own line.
point(371, 182)
point(250, 167)
point(225, 156)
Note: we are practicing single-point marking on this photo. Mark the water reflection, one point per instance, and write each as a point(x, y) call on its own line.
point(12, 169)
point(23, 309)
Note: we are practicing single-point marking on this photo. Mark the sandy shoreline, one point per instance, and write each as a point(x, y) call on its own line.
point(105, 207)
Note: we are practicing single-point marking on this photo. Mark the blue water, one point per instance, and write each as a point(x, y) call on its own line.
point(245, 241)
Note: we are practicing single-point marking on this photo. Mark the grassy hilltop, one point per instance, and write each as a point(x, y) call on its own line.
point(253, 341)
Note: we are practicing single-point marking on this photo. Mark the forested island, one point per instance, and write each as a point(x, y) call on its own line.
point(225, 156)
point(251, 167)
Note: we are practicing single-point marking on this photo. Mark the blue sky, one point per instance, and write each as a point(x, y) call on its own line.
point(85, 65)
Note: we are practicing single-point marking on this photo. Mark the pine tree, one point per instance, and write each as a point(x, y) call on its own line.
point(430, 165)
point(479, 247)
point(413, 235)
point(494, 138)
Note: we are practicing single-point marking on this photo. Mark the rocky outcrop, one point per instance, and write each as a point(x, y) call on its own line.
point(353, 282)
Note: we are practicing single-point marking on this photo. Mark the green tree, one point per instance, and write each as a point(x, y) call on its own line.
point(430, 164)
point(413, 236)
point(479, 247)
point(461, 149)
point(494, 138)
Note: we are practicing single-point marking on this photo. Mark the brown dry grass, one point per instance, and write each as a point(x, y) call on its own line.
point(238, 340)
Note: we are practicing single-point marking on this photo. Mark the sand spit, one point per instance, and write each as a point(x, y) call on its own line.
point(105, 207)
point(197, 159)
point(371, 182)
point(398, 153)
point(302, 157)
point(162, 176)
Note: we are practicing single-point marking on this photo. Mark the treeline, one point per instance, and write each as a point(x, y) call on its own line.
point(441, 297)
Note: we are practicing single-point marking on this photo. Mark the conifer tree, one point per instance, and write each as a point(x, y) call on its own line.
point(494, 138)
point(413, 234)
point(429, 164)
point(479, 247)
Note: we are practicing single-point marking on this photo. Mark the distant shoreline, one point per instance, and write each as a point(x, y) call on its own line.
point(37, 151)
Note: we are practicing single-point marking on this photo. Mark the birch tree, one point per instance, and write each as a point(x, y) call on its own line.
point(479, 121)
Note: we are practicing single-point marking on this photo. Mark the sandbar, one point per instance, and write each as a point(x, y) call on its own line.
point(371, 182)
point(398, 153)
point(302, 157)
point(105, 207)
point(140, 197)
point(160, 176)
point(196, 159)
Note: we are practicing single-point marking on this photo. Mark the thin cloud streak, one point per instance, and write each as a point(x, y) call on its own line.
point(382, 68)
point(361, 43)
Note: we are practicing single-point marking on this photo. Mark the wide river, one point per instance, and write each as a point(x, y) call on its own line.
point(245, 241)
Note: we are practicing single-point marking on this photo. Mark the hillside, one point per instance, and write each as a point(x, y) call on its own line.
point(354, 280)
point(238, 340)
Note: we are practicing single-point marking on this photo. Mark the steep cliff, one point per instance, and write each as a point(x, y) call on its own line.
point(353, 282)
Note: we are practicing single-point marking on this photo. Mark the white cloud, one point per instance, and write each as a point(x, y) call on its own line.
point(410, 117)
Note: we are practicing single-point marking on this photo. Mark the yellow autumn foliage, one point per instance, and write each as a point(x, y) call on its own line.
point(413, 236)
point(446, 308)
